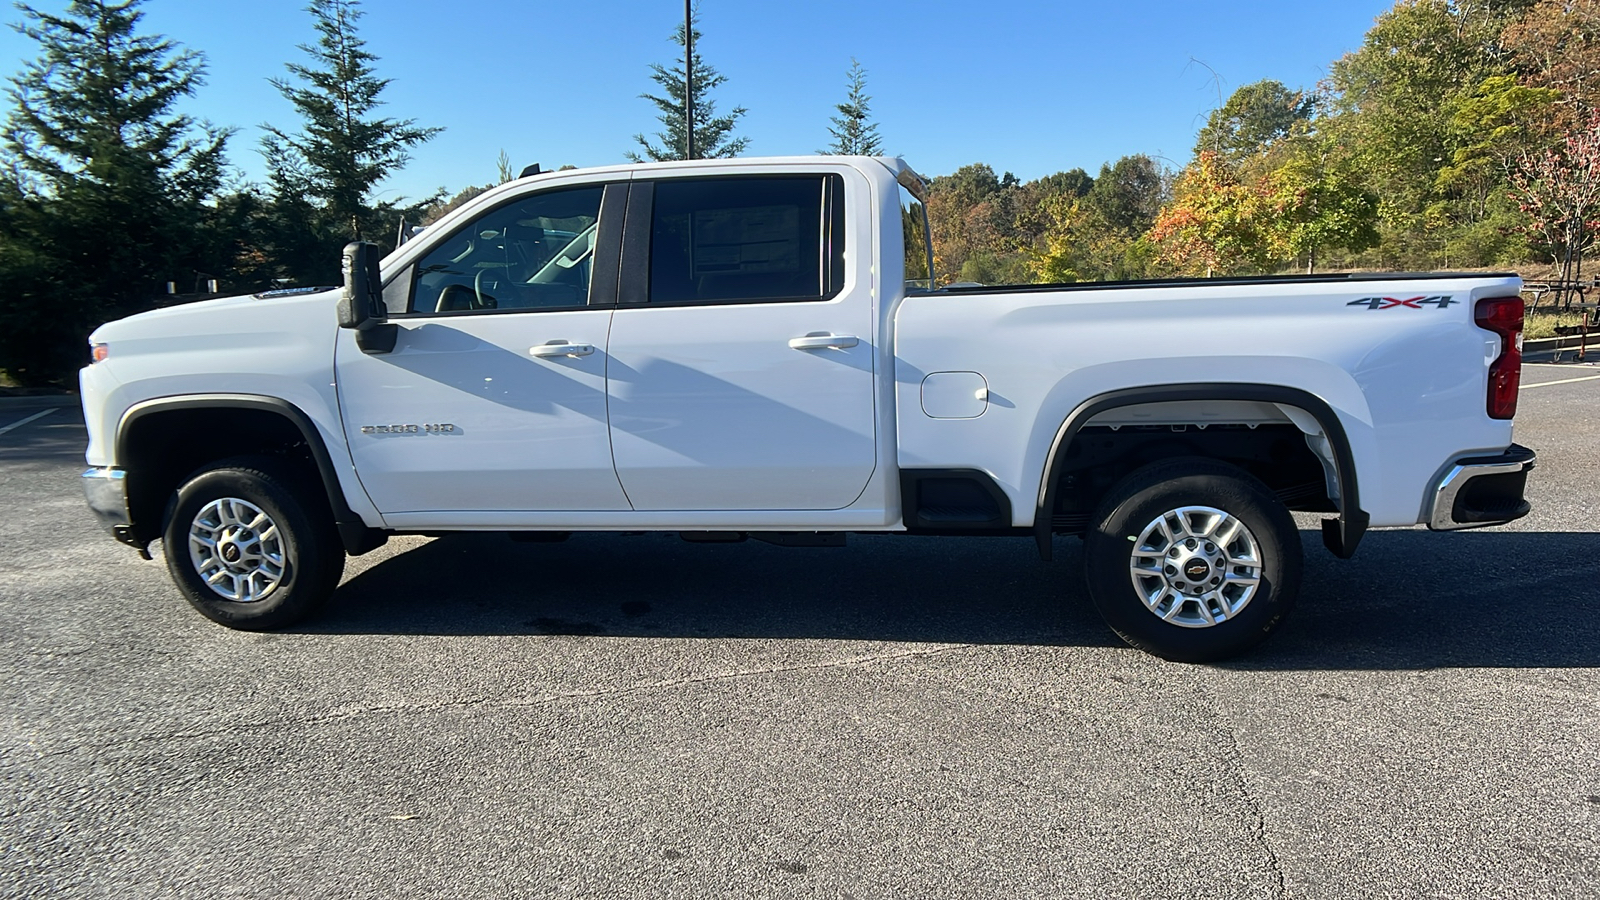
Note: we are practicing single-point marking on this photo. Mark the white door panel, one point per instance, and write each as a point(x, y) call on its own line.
point(712, 408)
point(529, 429)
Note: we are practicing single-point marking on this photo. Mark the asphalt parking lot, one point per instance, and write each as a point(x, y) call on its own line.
point(635, 716)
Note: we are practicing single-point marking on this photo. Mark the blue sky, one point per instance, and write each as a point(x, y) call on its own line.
point(1028, 87)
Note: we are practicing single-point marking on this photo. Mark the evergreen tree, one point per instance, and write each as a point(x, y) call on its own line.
point(323, 177)
point(713, 134)
point(854, 134)
point(109, 188)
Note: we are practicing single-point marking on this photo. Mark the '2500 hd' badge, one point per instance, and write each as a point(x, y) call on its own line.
point(1439, 302)
point(442, 428)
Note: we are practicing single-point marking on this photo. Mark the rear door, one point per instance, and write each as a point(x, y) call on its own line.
point(740, 371)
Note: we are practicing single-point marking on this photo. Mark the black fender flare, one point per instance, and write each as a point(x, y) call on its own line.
point(1341, 535)
point(355, 534)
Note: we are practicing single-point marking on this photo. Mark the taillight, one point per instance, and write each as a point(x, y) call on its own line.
point(1503, 316)
point(99, 352)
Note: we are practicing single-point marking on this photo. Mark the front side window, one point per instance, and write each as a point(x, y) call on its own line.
point(532, 253)
point(747, 239)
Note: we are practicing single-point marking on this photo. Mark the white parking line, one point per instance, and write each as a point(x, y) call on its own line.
point(37, 415)
point(1562, 381)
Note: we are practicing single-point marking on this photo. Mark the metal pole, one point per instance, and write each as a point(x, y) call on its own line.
point(688, 79)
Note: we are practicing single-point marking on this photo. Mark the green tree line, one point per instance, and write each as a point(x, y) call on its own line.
point(1461, 134)
point(113, 199)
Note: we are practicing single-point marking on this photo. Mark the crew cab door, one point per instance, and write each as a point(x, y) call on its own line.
point(493, 398)
point(741, 360)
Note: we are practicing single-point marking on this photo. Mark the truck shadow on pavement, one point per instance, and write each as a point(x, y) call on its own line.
point(1409, 600)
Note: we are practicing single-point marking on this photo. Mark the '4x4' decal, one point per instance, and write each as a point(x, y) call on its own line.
point(1412, 303)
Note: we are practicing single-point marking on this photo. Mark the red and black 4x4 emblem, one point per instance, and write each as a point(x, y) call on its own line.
point(1439, 302)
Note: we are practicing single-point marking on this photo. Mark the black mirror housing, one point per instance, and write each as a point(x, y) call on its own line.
point(361, 302)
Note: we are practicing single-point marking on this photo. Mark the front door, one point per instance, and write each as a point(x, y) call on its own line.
point(741, 359)
point(493, 398)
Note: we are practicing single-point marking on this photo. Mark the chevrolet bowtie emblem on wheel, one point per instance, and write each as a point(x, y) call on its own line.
point(1409, 303)
point(442, 428)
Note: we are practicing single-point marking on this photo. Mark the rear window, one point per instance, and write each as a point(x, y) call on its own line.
point(914, 226)
point(750, 239)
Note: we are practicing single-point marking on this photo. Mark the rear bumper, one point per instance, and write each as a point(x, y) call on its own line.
point(107, 492)
point(1481, 490)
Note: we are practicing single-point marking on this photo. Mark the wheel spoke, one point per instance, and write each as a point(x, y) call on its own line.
point(1224, 540)
point(1166, 532)
point(1178, 603)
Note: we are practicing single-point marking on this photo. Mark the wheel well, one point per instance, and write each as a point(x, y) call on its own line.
point(160, 449)
point(1099, 456)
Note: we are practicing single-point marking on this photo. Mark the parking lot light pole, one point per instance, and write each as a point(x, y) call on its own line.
point(688, 79)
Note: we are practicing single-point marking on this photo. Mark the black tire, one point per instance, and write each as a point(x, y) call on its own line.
point(1114, 540)
point(305, 559)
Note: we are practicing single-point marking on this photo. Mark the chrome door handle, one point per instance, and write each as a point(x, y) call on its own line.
point(822, 340)
point(561, 348)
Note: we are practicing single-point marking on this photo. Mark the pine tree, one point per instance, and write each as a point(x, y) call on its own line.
point(854, 134)
point(109, 190)
point(343, 151)
point(713, 134)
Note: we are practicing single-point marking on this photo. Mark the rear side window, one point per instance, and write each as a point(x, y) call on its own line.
point(750, 239)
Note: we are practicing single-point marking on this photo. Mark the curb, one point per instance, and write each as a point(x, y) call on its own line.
point(1548, 347)
point(41, 401)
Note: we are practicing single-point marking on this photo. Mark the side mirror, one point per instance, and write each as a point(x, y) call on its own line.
point(361, 303)
point(362, 299)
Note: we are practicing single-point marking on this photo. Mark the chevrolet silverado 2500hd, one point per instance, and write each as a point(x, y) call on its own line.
point(754, 347)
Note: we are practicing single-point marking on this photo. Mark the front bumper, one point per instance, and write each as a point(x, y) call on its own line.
point(106, 489)
point(1481, 490)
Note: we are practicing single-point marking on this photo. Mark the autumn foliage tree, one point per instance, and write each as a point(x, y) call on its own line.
point(1213, 226)
point(1312, 206)
point(1559, 189)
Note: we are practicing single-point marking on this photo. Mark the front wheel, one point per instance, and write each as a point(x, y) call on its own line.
point(1193, 560)
point(250, 546)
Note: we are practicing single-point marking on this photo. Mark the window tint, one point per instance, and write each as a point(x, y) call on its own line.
point(747, 239)
point(531, 253)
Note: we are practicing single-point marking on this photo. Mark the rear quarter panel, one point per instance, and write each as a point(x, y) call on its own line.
point(1408, 383)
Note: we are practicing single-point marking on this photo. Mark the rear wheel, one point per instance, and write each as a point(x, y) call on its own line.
point(1193, 560)
point(251, 546)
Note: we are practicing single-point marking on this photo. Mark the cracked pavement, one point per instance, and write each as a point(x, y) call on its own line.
point(633, 716)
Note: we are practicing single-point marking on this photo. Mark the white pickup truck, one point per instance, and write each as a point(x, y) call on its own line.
point(753, 348)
